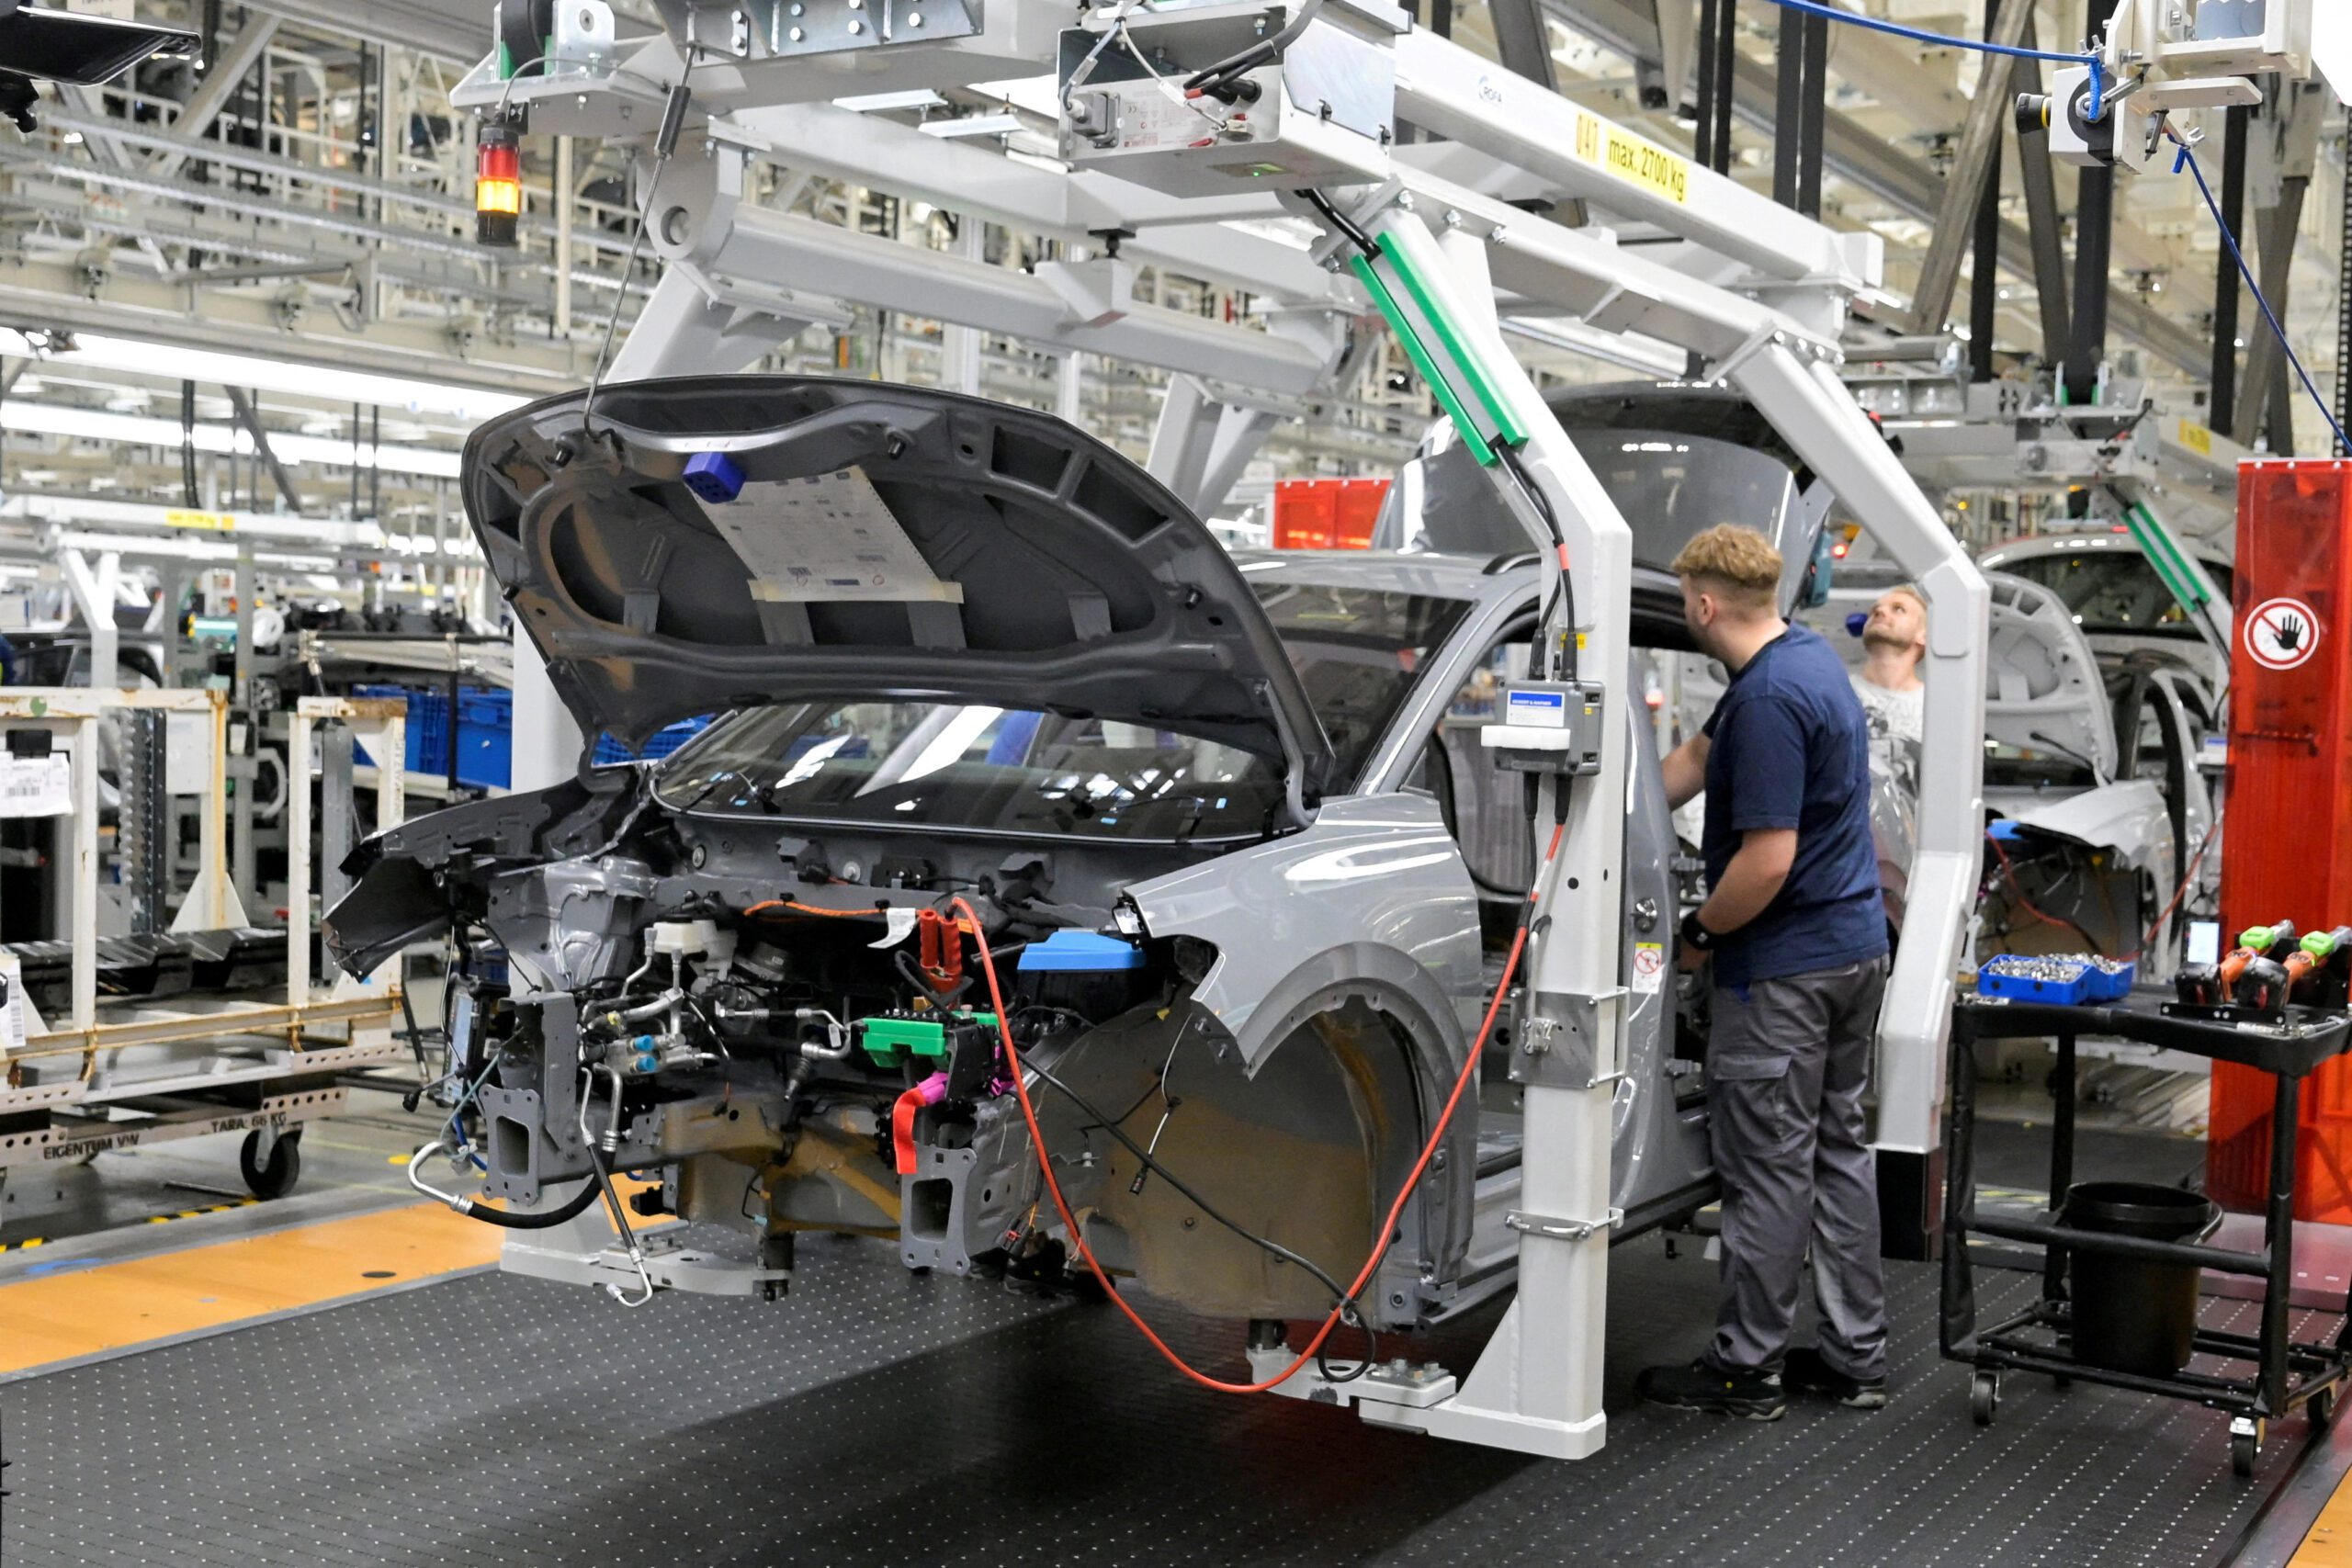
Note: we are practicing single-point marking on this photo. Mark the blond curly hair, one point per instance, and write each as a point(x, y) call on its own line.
point(1736, 564)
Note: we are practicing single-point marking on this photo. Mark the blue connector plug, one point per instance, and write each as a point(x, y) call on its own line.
point(715, 476)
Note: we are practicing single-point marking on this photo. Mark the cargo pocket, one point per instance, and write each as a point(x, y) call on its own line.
point(1754, 1109)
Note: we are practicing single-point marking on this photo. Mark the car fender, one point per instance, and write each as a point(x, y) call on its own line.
point(1373, 897)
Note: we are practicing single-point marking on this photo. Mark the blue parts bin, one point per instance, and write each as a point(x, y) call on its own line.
point(485, 732)
point(715, 476)
point(2065, 979)
point(2062, 981)
point(2112, 978)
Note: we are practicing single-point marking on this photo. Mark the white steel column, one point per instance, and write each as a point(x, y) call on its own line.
point(960, 347)
point(1537, 1386)
point(547, 741)
point(94, 597)
point(1809, 405)
point(1201, 445)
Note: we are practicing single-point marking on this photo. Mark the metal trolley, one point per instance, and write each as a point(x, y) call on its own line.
point(2287, 1375)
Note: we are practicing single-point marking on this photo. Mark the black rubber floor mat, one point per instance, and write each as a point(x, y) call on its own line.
point(876, 1417)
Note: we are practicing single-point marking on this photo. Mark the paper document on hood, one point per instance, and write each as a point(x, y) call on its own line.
point(825, 537)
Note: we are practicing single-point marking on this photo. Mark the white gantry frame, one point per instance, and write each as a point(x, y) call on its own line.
point(1758, 292)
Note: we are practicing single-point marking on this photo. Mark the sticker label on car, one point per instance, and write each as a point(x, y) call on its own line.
point(825, 537)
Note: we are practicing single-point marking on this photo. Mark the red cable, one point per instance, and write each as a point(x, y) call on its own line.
point(2009, 871)
point(2182, 891)
point(1388, 1226)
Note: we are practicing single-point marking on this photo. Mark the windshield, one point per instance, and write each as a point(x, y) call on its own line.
point(969, 765)
point(1669, 488)
point(2112, 590)
point(1017, 770)
point(1358, 651)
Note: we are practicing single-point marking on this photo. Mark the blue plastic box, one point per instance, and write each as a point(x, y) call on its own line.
point(1992, 981)
point(2111, 981)
point(485, 732)
point(1080, 953)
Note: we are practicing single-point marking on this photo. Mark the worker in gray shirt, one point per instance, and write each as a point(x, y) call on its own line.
point(1796, 931)
point(1894, 641)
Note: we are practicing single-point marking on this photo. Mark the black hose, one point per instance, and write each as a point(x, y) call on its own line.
point(1210, 78)
point(1340, 220)
point(504, 1220)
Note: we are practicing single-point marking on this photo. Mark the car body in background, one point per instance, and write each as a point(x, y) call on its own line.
point(2107, 584)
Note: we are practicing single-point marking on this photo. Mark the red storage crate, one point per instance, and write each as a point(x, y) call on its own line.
point(1326, 515)
point(2284, 853)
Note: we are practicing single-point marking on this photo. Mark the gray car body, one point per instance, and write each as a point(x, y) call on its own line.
point(1357, 925)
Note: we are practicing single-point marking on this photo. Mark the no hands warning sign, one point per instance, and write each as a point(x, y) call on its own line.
point(2282, 634)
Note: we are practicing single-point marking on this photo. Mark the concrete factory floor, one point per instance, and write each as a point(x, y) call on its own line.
point(342, 1376)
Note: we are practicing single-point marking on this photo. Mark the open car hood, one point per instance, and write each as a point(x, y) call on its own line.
point(885, 542)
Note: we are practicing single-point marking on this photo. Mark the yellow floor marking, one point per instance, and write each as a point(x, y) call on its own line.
point(111, 1306)
point(2329, 1544)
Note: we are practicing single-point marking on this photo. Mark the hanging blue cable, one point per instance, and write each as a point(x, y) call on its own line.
point(1947, 40)
point(2188, 160)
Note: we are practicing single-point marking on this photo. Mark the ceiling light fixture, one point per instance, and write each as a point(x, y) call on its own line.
point(49, 418)
point(268, 375)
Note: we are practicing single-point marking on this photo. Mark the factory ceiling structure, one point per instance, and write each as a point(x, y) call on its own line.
point(304, 198)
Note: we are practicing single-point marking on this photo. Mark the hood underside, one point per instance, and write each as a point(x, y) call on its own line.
point(723, 542)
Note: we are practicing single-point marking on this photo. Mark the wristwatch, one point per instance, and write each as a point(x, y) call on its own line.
point(1695, 935)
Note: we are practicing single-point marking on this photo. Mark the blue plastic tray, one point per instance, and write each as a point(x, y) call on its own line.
point(1992, 982)
point(2110, 981)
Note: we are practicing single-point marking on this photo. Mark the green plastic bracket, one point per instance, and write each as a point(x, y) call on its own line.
point(2172, 562)
point(1458, 347)
point(1407, 334)
point(887, 1040)
point(1446, 358)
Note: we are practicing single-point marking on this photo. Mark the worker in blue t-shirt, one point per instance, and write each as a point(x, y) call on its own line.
point(1797, 934)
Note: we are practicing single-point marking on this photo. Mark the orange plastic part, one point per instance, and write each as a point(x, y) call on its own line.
point(1326, 515)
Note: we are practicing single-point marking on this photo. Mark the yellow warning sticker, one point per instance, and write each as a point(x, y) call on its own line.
point(216, 521)
point(1633, 159)
point(2197, 438)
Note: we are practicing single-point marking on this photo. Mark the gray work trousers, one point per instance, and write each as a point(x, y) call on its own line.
point(1787, 1061)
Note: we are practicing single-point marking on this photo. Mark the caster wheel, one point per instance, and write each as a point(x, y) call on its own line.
point(2321, 1407)
point(1985, 1397)
point(275, 1178)
point(2245, 1444)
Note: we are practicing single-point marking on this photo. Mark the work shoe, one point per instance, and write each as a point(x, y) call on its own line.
point(1702, 1385)
point(1805, 1372)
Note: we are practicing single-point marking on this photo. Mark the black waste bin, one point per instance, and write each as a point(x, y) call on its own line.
point(2134, 1314)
